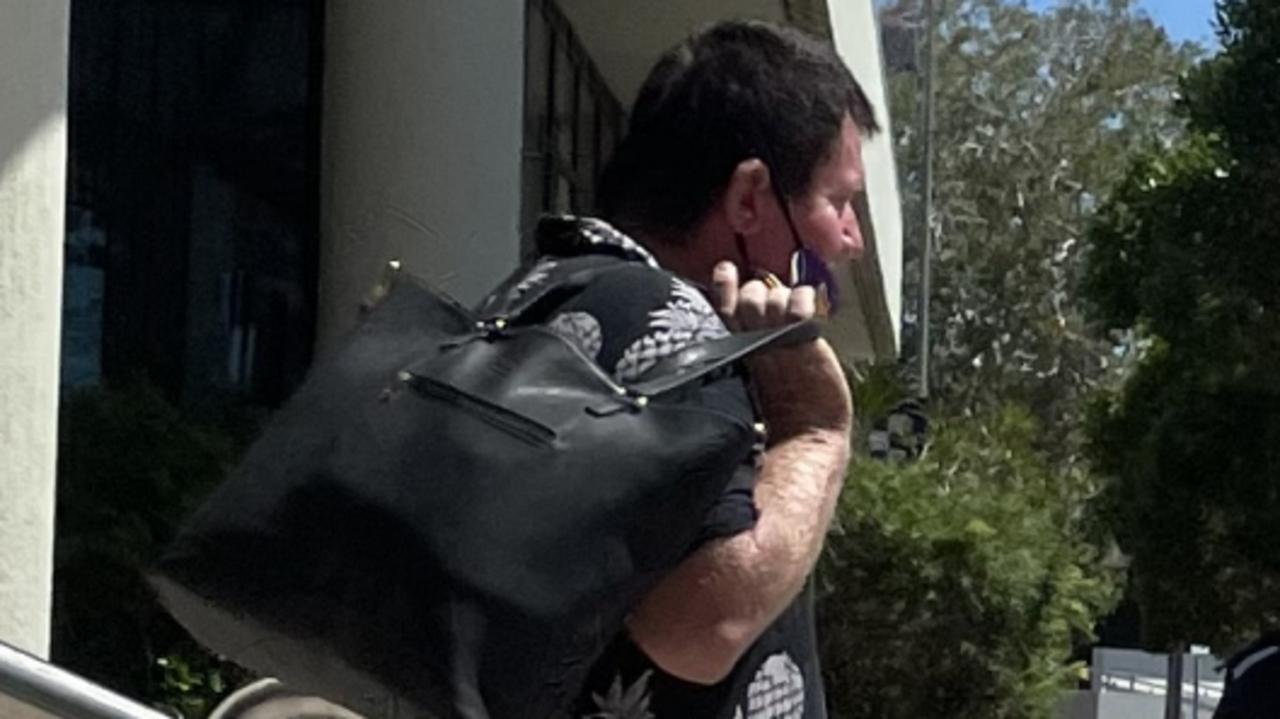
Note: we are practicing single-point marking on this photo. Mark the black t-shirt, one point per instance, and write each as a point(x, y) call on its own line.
point(628, 320)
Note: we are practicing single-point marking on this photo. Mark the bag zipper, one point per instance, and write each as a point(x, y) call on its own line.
point(495, 415)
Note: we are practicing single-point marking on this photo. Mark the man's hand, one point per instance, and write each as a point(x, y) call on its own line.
point(800, 388)
point(700, 619)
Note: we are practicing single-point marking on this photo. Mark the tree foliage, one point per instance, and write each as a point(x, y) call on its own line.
point(130, 467)
point(963, 581)
point(1184, 257)
point(1036, 115)
point(959, 582)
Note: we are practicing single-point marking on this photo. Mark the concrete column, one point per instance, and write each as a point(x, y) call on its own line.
point(33, 138)
point(421, 147)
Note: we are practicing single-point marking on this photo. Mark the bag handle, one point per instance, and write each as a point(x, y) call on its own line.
point(697, 361)
point(674, 371)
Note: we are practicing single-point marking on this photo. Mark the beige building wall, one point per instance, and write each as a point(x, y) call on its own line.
point(33, 132)
point(421, 147)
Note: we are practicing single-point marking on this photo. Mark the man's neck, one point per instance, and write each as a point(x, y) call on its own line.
point(693, 257)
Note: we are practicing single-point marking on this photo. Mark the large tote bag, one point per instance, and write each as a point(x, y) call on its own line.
point(454, 513)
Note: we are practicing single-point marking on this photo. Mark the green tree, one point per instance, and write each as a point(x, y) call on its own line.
point(1037, 114)
point(963, 581)
point(1184, 257)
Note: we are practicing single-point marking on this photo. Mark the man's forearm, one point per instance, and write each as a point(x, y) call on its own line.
point(797, 494)
point(700, 619)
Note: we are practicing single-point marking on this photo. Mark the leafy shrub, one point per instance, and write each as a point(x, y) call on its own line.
point(957, 585)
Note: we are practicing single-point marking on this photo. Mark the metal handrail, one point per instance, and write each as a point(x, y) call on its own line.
point(1205, 697)
point(44, 687)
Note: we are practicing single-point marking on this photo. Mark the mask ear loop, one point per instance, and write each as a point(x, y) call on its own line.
point(806, 267)
point(783, 205)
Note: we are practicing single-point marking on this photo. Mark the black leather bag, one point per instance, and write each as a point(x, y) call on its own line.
point(453, 515)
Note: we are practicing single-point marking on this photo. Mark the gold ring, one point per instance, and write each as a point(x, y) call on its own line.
point(770, 280)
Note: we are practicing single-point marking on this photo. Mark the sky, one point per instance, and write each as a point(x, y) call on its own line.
point(1182, 19)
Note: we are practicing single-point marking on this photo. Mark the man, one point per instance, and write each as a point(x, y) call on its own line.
point(1253, 681)
point(741, 165)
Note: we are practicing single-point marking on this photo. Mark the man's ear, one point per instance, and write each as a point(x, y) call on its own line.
point(746, 195)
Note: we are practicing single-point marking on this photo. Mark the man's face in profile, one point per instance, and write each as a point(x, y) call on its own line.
point(824, 213)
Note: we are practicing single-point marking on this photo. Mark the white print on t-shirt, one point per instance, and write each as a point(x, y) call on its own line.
point(686, 318)
point(580, 328)
point(540, 273)
point(776, 692)
point(621, 702)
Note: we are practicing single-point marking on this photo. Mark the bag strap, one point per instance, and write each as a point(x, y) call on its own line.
point(674, 371)
point(698, 360)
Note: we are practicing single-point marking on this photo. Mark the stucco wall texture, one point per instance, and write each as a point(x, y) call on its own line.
point(33, 85)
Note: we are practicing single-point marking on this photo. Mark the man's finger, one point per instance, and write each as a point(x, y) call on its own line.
point(751, 305)
point(724, 291)
point(802, 304)
point(777, 304)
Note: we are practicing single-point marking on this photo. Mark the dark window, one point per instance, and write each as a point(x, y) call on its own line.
point(571, 119)
point(192, 195)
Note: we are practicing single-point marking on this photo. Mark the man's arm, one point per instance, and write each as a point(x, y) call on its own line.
point(700, 619)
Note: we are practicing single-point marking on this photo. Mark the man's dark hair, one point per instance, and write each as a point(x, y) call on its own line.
point(732, 91)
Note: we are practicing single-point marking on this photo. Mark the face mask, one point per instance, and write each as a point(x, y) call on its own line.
point(807, 268)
